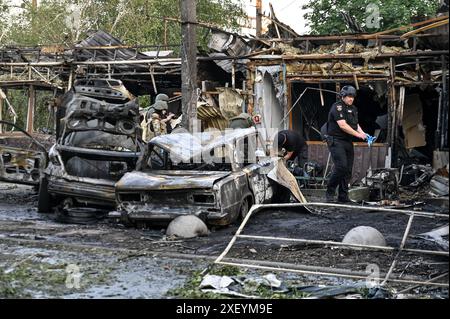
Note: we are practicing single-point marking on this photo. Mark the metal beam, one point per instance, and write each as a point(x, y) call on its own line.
point(31, 108)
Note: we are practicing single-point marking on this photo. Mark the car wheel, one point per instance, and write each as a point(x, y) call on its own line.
point(245, 207)
point(44, 199)
point(80, 215)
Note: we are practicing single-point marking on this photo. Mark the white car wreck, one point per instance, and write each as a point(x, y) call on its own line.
point(214, 176)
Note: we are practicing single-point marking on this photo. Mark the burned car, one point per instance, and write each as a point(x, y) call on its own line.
point(22, 157)
point(216, 177)
point(98, 142)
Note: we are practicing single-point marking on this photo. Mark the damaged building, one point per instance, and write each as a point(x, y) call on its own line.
point(401, 81)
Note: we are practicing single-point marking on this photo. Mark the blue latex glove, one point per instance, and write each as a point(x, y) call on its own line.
point(370, 139)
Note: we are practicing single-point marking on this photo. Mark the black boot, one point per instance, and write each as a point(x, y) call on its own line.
point(329, 197)
point(344, 199)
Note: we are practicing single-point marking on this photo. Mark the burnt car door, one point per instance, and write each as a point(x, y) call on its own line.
point(251, 157)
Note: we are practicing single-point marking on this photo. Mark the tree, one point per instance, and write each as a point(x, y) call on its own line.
point(4, 13)
point(31, 26)
point(325, 16)
point(133, 21)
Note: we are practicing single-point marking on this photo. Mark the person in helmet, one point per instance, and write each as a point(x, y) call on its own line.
point(162, 97)
point(161, 118)
point(243, 120)
point(156, 118)
point(342, 129)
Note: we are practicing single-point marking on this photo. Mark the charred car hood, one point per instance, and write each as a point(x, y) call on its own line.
point(161, 180)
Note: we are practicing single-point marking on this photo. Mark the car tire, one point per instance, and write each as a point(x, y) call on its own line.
point(245, 206)
point(78, 215)
point(44, 198)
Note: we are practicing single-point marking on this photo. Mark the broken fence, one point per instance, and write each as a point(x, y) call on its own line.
point(328, 271)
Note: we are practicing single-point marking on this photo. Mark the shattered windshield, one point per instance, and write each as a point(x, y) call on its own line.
point(101, 141)
point(216, 159)
point(187, 147)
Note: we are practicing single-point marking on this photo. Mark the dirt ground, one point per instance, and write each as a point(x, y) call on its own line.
point(42, 258)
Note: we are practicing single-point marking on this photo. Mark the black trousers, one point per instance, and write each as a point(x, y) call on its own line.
point(342, 154)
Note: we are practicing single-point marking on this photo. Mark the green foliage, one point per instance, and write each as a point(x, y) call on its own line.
point(325, 15)
point(19, 100)
point(191, 289)
point(133, 21)
point(43, 115)
point(4, 13)
point(42, 26)
point(26, 276)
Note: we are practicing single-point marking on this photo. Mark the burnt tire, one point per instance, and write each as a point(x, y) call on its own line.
point(44, 198)
point(78, 215)
point(245, 207)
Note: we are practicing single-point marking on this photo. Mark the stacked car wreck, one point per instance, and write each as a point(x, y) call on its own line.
point(97, 143)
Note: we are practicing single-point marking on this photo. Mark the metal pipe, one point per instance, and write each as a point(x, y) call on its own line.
point(331, 273)
point(431, 280)
point(402, 244)
point(301, 95)
point(335, 205)
point(334, 243)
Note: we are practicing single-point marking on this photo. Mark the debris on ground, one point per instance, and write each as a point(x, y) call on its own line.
point(270, 286)
point(437, 236)
point(188, 226)
point(439, 186)
point(364, 235)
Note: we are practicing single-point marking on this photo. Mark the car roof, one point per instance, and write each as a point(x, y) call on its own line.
point(186, 145)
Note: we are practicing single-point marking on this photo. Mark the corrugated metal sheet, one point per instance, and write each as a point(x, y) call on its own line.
point(318, 152)
point(102, 39)
point(211, 117)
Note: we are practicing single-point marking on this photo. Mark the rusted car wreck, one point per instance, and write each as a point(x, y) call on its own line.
point(21, 165)
point(97, 143)
point(216, 178)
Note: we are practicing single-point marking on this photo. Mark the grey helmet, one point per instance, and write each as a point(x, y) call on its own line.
point(348, 90)
point(160, 105)
point(243, 120)
point(162, 97)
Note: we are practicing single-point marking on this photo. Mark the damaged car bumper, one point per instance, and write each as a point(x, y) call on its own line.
point(86, 191)
point(159, 196)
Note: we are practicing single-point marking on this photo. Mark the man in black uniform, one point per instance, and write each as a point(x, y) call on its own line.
point(342, 127)
point(293, 148)
point(292, 144)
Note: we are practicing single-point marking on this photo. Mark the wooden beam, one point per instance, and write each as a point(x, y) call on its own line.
point(31, 108)
point(1, 113)
point(258, 18)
